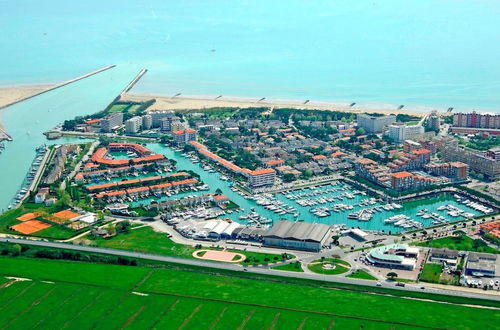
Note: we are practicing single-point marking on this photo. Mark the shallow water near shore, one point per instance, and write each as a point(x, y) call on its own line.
point(26, 121)
point(420, 53)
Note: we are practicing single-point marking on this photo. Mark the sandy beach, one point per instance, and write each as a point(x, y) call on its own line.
point(164, 102)
point(9, 95)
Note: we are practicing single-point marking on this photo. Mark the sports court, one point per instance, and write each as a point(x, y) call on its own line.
point(27, 216)
point(30, 227)
point(215, 255)
point(66, 215)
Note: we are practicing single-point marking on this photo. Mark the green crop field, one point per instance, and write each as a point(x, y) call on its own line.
point(62, 294)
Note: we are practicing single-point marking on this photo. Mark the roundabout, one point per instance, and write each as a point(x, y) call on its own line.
point(329, 266)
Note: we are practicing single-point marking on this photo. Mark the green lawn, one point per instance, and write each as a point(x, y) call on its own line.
point(291, 267)
point(461, 243)
point(431, 273)
point(362, 274)
point(107, 296)
point(145, 239)
point(340, 266)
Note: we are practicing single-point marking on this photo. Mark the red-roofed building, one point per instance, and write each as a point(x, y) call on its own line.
point(319, 157)
point(184, 136)
point(276, 162)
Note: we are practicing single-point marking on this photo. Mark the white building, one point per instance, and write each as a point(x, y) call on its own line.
point(400, 132)
point(373, 124)
point(133, 125)
point(147, 122)
point(399, 256)
point(263, 177)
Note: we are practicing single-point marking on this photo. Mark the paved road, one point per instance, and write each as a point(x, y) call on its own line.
point(257, 270)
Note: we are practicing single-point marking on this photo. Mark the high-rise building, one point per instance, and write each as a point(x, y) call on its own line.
point(156, 116)
point(400, 132)
point(494, 153)
point(147, 122)
point(457, 171)
point(433, 122)
point(111, 122)
point(133, 125)
point(373, 124)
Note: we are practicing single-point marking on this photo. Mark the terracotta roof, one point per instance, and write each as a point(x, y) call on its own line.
point(401, 175)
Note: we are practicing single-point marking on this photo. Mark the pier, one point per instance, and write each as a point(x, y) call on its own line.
point(134, 81)
point(61, 85)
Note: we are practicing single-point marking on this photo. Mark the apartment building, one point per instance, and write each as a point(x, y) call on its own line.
point(374, 124)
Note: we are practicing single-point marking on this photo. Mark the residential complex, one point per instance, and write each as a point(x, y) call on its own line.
point(476, 120)
point(476, 160)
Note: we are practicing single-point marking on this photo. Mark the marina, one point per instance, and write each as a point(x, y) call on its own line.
point(333, 204)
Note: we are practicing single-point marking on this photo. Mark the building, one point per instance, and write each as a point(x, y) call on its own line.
point(414, 160)
point(185, 136)
point(457, 171)
point(370, 170)
point(260, 178)
point(133, 125)
point(400, 132)
point(433, 122)
point(494, 153)
point(476, 161)
point(481, 264)
point(444, 255)
point(373, 124)
point(407, 181)
point(297, 235)
point(410, 145)
point(399, 256)
point(476, 120)
point(41, 195)
point(147, 122)
point(111, 122)
point(156, 116)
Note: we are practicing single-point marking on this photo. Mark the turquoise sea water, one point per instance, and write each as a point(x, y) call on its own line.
point(375, 52)
point(26, 121)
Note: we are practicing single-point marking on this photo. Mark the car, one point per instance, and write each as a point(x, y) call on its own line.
point(422, 287)
point(244, 269)
point(379, 284)
point(400, 284)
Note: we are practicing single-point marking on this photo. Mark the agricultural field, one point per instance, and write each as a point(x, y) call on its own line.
point(108, 296)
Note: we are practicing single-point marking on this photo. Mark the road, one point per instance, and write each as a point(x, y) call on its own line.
point(256, 270)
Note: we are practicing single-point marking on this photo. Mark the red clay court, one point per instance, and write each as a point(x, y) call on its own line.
point(27, 216)
point(30, 227)
point(66, 215)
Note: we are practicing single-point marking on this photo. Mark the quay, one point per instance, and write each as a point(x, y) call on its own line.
point(61, 85)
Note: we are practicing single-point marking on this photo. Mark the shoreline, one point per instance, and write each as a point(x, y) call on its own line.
point(55, 86)
point(165, 102)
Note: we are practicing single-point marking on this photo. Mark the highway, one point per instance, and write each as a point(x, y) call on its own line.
point(257, 270)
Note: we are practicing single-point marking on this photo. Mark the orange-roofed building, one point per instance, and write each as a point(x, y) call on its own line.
point(185, 136)
point(220, 199)
point(275, 162)
point(319, 157)
point(262, 177)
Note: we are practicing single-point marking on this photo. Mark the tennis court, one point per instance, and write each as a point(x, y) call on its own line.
point(30, 227)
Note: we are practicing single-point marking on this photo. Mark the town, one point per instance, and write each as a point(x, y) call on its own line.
point(383, 197)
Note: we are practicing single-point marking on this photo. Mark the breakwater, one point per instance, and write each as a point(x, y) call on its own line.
point(60, 85)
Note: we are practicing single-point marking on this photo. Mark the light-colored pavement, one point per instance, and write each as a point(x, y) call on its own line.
point(257, 270)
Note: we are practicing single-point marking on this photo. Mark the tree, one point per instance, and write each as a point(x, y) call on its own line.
point(16, 249)
point(360, 131)
point(392, 275)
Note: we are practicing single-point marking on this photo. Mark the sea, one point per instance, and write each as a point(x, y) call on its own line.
point(379, 53)
point(423, 54)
